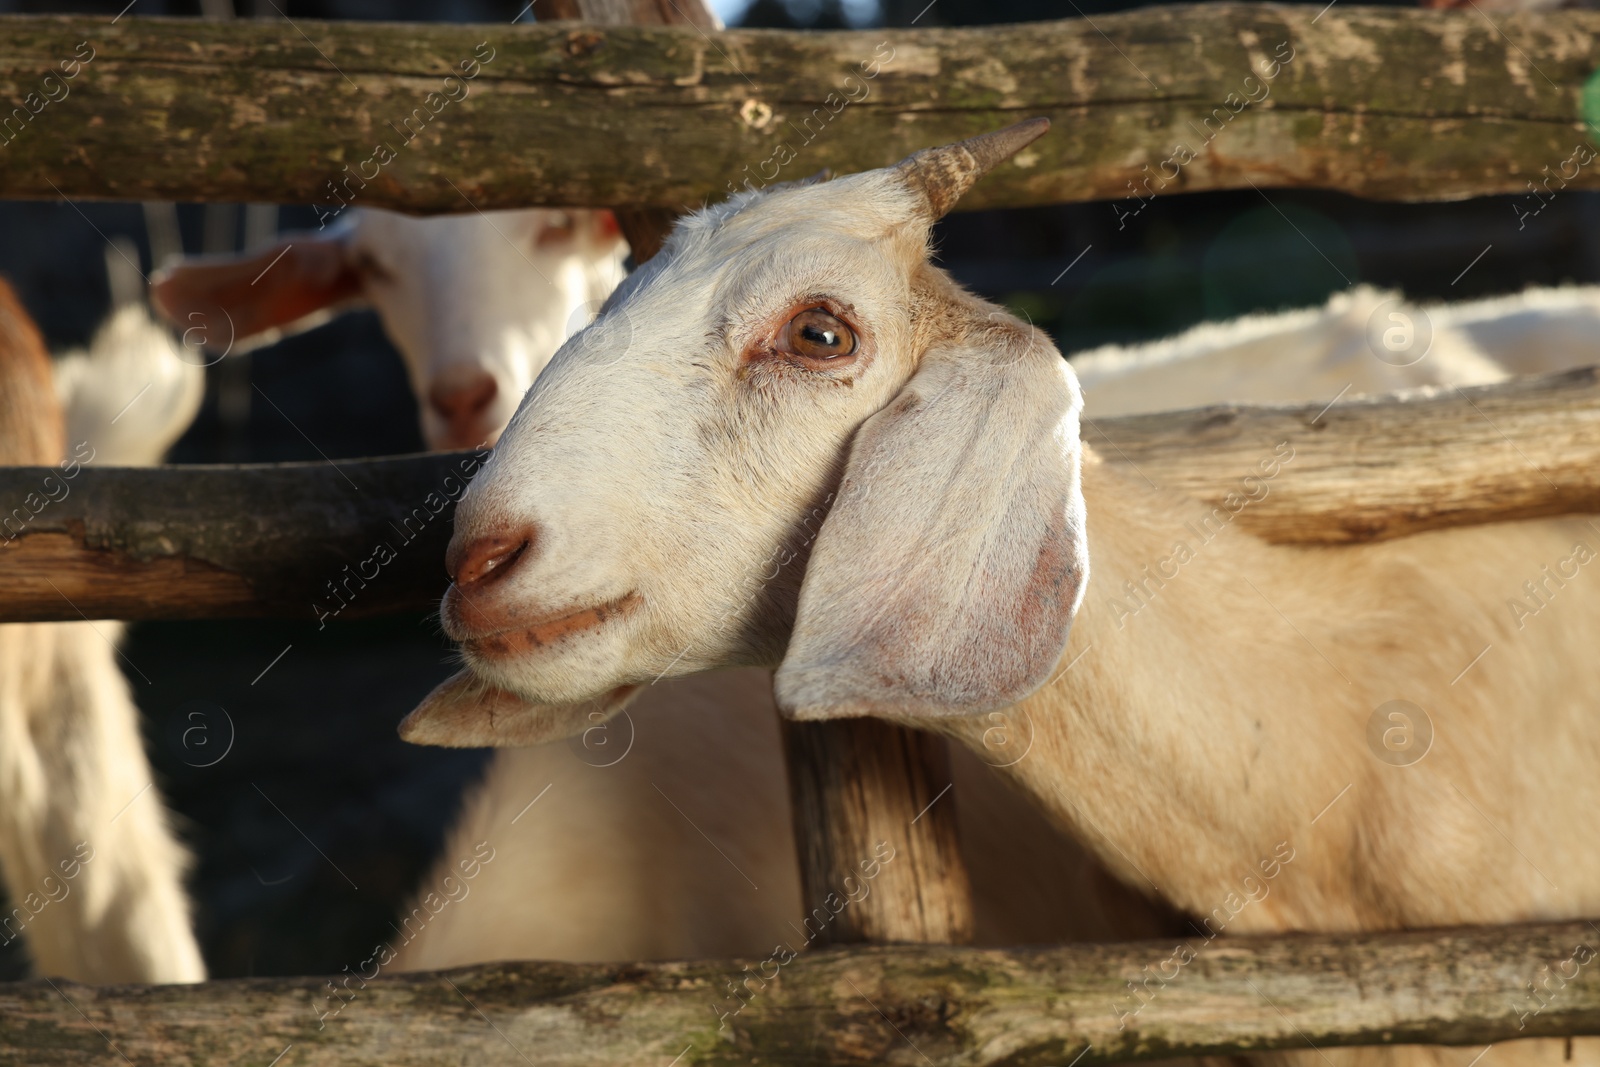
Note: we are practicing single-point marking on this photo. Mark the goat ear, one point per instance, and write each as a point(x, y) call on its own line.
point(220, 299)
point(945, 578)
point(466, 712)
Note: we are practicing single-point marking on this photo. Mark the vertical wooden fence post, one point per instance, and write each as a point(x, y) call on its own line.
point(862, 789)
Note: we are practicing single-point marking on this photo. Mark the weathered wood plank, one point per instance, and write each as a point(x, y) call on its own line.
point(1380, 102)
point(865, 791)
point(198, 542)
point(646, 228)
point(308, 540)
point(1376, 468)
point(928, 1006)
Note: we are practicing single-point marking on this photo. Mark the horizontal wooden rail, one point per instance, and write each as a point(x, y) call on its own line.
point(914, 1004)
point(308, 540)
point(365, 537)
point(1374, 468)
point(1379, 102)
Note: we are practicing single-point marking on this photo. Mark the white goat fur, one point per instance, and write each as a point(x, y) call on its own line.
point(130, 356)
point(1185, 743)
point(1537, 331)
point(605, 868)
point(1306, 355)
point(74, 780)
point(1316, 354)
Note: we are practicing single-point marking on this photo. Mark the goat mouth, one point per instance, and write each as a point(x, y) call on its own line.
point(549, 631)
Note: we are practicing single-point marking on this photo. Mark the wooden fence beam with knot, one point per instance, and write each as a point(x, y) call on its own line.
point(1378, 102)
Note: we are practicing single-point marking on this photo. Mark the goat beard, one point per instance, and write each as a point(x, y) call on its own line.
point(465, 711)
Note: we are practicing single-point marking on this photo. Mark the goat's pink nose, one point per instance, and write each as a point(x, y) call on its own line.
point(463, 400)
point(476, 563)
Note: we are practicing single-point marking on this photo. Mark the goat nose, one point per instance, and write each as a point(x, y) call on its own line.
point(476, 563)
point(463, 400)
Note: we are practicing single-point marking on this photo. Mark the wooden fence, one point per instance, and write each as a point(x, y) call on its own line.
point(649, 120)
point(1379, 102)
point(908, 1005)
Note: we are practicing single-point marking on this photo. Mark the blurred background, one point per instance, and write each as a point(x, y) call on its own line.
point(317, 823)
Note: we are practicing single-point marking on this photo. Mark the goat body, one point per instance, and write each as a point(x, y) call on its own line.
point(1536, 331)
point(1307, 355)
point(1210, 713)
point(93, 868)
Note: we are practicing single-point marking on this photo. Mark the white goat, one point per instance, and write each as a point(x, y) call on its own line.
point(92, 867)
point(1312, 354)
point(476, 304)
point(832, 461)
point(1536, 331)
point(563, 867)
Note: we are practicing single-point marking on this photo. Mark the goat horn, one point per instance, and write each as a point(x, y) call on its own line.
point(944, 174)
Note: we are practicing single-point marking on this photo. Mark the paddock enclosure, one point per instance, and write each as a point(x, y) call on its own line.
point(582, 109)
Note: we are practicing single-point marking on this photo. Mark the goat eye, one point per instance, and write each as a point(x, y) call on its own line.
point(815, 334)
